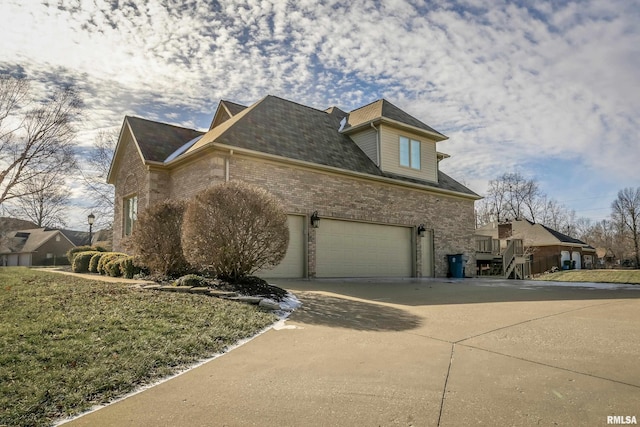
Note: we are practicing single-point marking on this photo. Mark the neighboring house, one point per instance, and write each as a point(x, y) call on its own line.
point(40, 246)
point(371, 176)
point(545, 248)
point(102, 238)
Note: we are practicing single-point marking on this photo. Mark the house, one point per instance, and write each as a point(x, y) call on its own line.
point(39, 246)
point(371, 176)
point(543, 247)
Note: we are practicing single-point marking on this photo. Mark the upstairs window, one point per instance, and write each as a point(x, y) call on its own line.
point(130, 214)
point(409, 153)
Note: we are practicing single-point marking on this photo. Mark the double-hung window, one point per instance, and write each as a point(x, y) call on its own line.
point(130, 214)
point(409, 153)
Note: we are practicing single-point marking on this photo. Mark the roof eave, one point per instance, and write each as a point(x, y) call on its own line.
point(436, 136)
point(110, 179)
point(334, 169)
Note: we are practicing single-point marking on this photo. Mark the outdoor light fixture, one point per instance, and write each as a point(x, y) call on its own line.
point(421, 230)
point(90, 220)
point(315, 220)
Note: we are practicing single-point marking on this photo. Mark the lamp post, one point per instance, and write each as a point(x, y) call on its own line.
point(90, 220)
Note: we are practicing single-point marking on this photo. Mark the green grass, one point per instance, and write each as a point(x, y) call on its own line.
point(67, 344)
point(595, 276)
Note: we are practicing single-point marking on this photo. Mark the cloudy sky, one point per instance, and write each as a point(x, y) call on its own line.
point(550, 89)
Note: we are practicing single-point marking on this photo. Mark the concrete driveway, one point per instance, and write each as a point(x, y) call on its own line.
point(416, 353)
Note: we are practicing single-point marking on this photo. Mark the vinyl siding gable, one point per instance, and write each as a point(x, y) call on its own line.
point(368, 142)
point(390, 154)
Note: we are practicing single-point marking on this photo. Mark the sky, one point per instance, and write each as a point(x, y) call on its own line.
point(549, 89)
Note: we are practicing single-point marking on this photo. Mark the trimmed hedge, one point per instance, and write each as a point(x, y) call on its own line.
point(127, 268)
point(93, 264)
point(71, 253)
point(81, 261)
point(106, 259)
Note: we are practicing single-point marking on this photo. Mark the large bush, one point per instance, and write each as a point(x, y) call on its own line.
point(106, 259)
point(93, 264)
point(71, 253)
point(233, 229)
point(81, 261)
point(156, 240)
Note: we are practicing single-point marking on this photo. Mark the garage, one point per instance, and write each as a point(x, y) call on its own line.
point(358, 249)
point(292, 266)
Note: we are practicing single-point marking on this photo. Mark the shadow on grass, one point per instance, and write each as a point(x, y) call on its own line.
point(344, 313)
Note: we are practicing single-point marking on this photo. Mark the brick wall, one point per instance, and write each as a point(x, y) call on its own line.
point(131, 178)
point(303, 191)
point(338, 196)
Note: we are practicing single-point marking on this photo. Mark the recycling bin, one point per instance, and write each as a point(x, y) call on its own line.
point(456, 265)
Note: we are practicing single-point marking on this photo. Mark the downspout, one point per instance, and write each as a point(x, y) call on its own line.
point(377, 144)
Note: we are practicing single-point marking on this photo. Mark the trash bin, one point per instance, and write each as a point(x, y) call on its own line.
point(456, 265)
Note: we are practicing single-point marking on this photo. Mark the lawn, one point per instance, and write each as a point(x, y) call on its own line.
point(67, 344)
point(595, 276)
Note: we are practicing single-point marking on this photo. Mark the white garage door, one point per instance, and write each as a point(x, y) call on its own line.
point(25, 260)
point(293, 263)
point(356, 249)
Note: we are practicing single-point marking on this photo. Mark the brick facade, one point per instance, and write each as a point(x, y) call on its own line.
point(303, 190)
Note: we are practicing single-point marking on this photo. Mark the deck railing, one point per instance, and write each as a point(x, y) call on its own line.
point(487, 245)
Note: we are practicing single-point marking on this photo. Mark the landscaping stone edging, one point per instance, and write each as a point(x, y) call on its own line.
point(232, 296)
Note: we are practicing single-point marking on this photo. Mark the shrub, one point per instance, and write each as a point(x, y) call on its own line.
point(93, 264)
point(107, 258)
point(112, 268)
point(128, 269)
point(233, 229)
point(73, 251)
point(81, 261)
point(192, 280)
point(156, 240)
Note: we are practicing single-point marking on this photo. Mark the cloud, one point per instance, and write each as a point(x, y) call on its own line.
point(512, 83)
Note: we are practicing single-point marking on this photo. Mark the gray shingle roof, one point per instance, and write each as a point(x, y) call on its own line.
point(284, 128)
point(384, 109)
point(26, 241)
point(233, 107)
point(563, 237)
point(158, 140)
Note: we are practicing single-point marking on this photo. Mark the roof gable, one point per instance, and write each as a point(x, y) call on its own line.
point(383, 109)
point(157, 141)
point(278, 127)
point(26, 241)
point(284, 128)
point(534, 234)
point(226, 110)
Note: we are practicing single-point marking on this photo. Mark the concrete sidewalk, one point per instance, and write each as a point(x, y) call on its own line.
point(415, 353)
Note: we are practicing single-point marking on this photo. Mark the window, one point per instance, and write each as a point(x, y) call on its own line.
point(130, 214)
point(409, 153)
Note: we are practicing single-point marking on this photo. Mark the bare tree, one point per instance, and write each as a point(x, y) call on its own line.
point(248, 230)
point(44, 202)
point(36, 134)
point(509, 196)
point(94, 174)
point(626, 212)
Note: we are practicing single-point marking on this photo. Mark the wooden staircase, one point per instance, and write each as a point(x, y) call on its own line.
point(513, 260)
